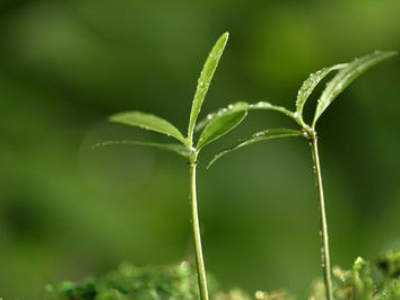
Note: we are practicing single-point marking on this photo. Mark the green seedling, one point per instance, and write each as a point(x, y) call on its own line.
point(346, 74)
point(216, 128)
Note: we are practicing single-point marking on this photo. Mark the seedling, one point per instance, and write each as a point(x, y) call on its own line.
point(346, 74)
point(214, 129)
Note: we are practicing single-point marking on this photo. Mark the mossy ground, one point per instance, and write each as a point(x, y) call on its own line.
point(366, 280)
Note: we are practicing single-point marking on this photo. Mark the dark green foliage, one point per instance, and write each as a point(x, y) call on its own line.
point(132, 283)
point(366, 280)
point(389, 263)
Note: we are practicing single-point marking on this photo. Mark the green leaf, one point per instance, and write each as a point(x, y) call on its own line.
point(345, 76)
point(258, 137)
point(268, 106)
point(204, 81)
point(220, 126)
point(243, 106)
point(177, 148)
point(148, 122)
point(309, 85)
point(231, 108)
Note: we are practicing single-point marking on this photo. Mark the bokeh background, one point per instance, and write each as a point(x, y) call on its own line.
point(67, 211)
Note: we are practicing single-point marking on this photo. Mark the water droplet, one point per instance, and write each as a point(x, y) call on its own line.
point(258, 134)
point(184, 264)
point(260, 295)
point(296, 114)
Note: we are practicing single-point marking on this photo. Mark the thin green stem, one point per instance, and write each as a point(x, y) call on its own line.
point(325, 254)
point(201, 270)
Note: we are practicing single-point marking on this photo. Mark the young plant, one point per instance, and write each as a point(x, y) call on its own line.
point(346, 74)
point(187, 148)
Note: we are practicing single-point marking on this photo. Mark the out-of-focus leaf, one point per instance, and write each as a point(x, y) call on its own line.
point(309, 85)
point(220, 126)
point(204, 81)
point(345, 76)
point(148, 122)
point(177, 148)
point(258, 137)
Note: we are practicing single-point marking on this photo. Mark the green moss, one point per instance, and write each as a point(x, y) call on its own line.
point(389, 263)
point(176, 282)
point(366, 280)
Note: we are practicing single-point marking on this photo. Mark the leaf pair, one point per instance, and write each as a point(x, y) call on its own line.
point(346, 74)
point(214, 129)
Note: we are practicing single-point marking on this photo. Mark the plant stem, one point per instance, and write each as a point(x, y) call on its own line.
point(325, 254)
point(201, 270)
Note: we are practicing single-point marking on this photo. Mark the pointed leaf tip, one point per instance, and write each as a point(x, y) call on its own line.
point(346, 76)
point(309, 85)
point(148, 122)
point(204, 81)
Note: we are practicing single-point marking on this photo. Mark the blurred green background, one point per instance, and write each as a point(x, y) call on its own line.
point(67, 211)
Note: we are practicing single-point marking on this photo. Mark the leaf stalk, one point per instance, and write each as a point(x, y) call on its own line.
point(325, 253)
point(201, 270)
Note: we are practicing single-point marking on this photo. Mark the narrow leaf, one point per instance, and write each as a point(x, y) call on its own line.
point(243, 106)
point(177, 148)
point(220, 126)
point(204, 81)
point(309, 85)
point(148, 122)
point(231, 108)
point(268, 106)
point(258, 137)
point(345, 76)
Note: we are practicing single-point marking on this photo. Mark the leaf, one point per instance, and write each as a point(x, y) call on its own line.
point(177, 148)
point(148, 122)
point(231, 108)
point(309, 85)
point(258, 137)
point(242, 106)
point(268, 106)
point(204, 81)
point(220, 126)
point(345, 76)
